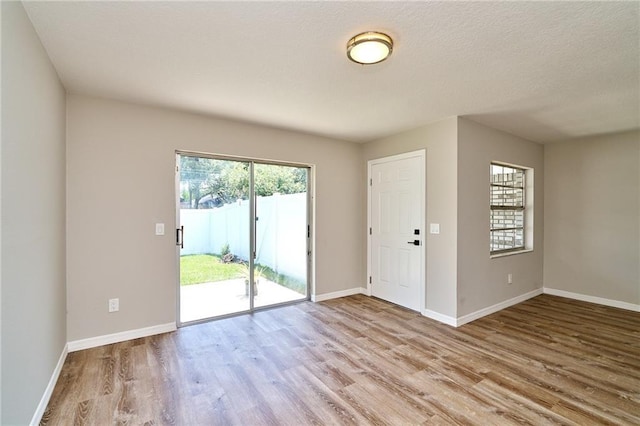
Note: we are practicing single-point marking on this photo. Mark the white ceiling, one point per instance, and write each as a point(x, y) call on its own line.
point(545, 71)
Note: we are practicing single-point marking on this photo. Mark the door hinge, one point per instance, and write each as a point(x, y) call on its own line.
point(370, 231)
point(177, 168)
point(308, 231)
point(370, 182)
point(369, 280)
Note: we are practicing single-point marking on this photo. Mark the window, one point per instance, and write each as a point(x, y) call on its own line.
point(507, 201)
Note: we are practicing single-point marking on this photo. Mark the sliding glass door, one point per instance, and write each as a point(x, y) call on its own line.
point(243, 235)
point(281, 237)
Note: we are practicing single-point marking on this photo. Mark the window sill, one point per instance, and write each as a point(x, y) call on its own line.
point(511, 253)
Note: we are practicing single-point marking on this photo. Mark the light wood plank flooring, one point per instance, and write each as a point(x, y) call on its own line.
point(359, 360)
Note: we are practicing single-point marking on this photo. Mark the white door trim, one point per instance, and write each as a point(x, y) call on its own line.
point(422, 153)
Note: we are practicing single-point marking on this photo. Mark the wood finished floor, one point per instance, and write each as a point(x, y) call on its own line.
point(359, 360)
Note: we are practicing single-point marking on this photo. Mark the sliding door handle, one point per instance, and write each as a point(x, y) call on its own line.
point(180, 237)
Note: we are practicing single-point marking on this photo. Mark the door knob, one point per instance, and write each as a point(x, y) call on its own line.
point(414, 242)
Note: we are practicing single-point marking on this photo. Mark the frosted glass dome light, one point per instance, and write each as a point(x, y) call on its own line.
point(369, 48)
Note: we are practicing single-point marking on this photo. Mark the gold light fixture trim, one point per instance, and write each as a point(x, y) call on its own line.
point(370, 47)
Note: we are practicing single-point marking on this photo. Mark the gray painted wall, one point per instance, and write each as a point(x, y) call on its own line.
point(461, 277)
point(120, 182)
point(120, 165)
point(33, 217)
point(482, 281)
point(440, 141)
point(592, 216)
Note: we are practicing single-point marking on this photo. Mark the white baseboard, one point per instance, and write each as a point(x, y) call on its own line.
point(107, 339)
point(593, 299)
point(445, 319)
point(336, 294)
point(497, 307)
point(44, 401)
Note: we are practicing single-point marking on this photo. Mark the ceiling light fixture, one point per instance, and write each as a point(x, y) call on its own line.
point(369, 48)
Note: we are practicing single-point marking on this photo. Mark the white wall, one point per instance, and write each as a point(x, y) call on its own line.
point(33, 217)
point(592, 216)
point(482, 281)
point(440, 141)
point(120, 165)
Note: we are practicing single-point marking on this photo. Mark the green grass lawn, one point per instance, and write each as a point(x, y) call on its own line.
point(284, 280)
point(205, 268)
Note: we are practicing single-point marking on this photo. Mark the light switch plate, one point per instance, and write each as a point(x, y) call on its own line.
point(434, 228)
point(114, 305)
point(159, 228)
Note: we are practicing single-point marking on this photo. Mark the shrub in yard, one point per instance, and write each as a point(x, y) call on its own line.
point(224, 250)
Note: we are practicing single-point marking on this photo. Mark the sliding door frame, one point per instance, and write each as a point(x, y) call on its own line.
point(252, 229)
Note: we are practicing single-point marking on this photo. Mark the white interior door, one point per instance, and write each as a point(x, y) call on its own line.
point(396, 243)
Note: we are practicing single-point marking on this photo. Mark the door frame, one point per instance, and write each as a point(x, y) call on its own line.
point(422, 154)
point(310, 216)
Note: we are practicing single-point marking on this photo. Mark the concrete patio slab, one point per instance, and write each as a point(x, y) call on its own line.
point(200, 301)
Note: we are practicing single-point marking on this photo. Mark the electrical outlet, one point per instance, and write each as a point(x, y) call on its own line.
point(509, 279)
point(114, 305)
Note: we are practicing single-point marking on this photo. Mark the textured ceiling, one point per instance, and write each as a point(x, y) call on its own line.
point(542, 70)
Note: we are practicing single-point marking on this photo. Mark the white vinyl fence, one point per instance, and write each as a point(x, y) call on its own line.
point(281, 232)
